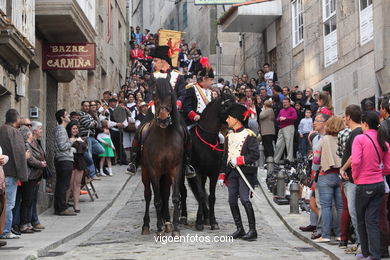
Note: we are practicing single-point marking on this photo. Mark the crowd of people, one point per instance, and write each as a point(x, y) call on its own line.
point(349, 154)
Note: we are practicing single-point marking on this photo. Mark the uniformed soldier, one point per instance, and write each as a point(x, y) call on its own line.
point(198, 95)
point(162, 65)
point(241, 149)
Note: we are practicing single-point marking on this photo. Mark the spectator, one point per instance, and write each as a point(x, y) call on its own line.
point(325, 104)
point(304, 128)
point(309, 102)
point(35, 163)
point(3, 161)
point(268, 73)
point(79, 147)
point(328, 164)
point(267, 128)
point(352, 119)
point(286, 92)
point(37, 130)
point(63, 163)
point(368, 169)
point(12, 143)
point(253, 120)
point(138, 35)
point(105, 139)
point(253, 83)
point(286, 120)
point(142, 115)
point(87, 128)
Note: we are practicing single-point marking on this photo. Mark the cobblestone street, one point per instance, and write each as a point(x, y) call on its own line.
point(122, 239)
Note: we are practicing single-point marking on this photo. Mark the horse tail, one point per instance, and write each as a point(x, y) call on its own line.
point(196, 189)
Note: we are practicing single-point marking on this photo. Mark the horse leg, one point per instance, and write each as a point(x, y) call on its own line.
point(206, 213)
point(213, 221)
point(176, 202)
point(158, 204)
point(199, 223)
point(165, 193)
point(183, 202)
point(148, 197)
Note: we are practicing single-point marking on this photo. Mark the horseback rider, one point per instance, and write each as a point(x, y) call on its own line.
point(198, 95)
point(241, 149)
point(162, 66)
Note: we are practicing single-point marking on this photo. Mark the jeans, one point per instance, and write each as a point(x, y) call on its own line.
point(16, 210)
point(34, 214)
point(91, 170)
point(368, 201)
point(329, 189)
point(63, 175)
point(11, 184)
point(94, 147)
point(304, 146)
point(350, 193)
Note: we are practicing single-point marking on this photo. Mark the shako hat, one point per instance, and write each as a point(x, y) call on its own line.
point(161, 52)
point(239, 112)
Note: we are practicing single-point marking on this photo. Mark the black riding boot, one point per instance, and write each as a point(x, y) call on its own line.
point(252, 234)
point(240, 232)
point(133, 165)
point(189, 170)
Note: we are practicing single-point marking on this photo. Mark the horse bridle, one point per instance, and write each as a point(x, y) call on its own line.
point(167, 121)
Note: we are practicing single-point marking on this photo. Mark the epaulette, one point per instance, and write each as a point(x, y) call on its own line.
point(177, 71)
point(250, 132)
point(189, 85)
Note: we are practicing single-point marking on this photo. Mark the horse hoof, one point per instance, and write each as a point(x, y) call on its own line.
point(199, 227)
point(214, 226)
point(145, 230)
point(183, 220)
point(176, 233)
point(168, 227)
point(160, 234)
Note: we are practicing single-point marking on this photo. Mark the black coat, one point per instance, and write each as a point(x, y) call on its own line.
point(250, 152)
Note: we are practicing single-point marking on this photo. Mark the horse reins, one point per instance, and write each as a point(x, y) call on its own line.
point(212, 146)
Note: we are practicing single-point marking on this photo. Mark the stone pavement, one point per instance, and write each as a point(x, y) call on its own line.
point(119, 236)
point(294, 221)
point(60, 229)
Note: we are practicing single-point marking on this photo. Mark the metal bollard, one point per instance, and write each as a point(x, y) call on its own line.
point(280, 186)
point(294, 198)
point(261, 158)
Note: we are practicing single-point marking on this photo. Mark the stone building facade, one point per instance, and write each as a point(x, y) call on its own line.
point(315, 43)
point(24, 84)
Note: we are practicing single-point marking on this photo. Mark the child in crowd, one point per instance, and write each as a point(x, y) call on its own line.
point(105, 139)
point(304, 128)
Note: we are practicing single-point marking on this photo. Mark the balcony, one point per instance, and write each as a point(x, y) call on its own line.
point(65, 21)
point(251, 16)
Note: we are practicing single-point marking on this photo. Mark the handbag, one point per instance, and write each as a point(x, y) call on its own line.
point(130, 127)
point(47, 173)
point(376, 150)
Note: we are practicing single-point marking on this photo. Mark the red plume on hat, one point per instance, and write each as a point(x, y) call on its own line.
point(205, 62)
point(247, 113)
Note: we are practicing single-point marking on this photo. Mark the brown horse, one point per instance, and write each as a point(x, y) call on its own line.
point(162, 159)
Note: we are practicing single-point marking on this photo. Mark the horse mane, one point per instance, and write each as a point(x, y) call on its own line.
point(162, 89)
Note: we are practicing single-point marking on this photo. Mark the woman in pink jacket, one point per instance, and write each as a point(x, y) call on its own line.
point(370, 162)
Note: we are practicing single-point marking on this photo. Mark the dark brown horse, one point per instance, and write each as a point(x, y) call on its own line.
point(162, 159)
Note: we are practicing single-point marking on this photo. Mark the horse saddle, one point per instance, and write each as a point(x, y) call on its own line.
point(143, 133)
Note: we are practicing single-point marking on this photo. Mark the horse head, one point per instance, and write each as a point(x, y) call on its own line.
point(165, 104)
point(215, 113)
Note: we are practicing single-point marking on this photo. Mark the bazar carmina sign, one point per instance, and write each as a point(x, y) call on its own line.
point(73, 56)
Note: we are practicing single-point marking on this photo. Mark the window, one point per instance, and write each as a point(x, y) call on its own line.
point(366, 23)
point(23, 18)
point(185, 15)
point(330, 32)
point(3, 6)
point(89, 9)
point(297, 22)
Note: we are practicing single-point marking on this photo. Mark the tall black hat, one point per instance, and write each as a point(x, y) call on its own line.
point(207, 71)
point(161, 52)
point(239, 112)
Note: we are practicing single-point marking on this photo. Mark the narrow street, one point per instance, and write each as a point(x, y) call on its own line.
point(121, 238)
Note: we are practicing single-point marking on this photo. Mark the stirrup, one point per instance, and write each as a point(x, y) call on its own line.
point(189, 172)
point(131, 169)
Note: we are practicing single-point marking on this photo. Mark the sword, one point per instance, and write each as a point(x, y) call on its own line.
point(247, 182)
